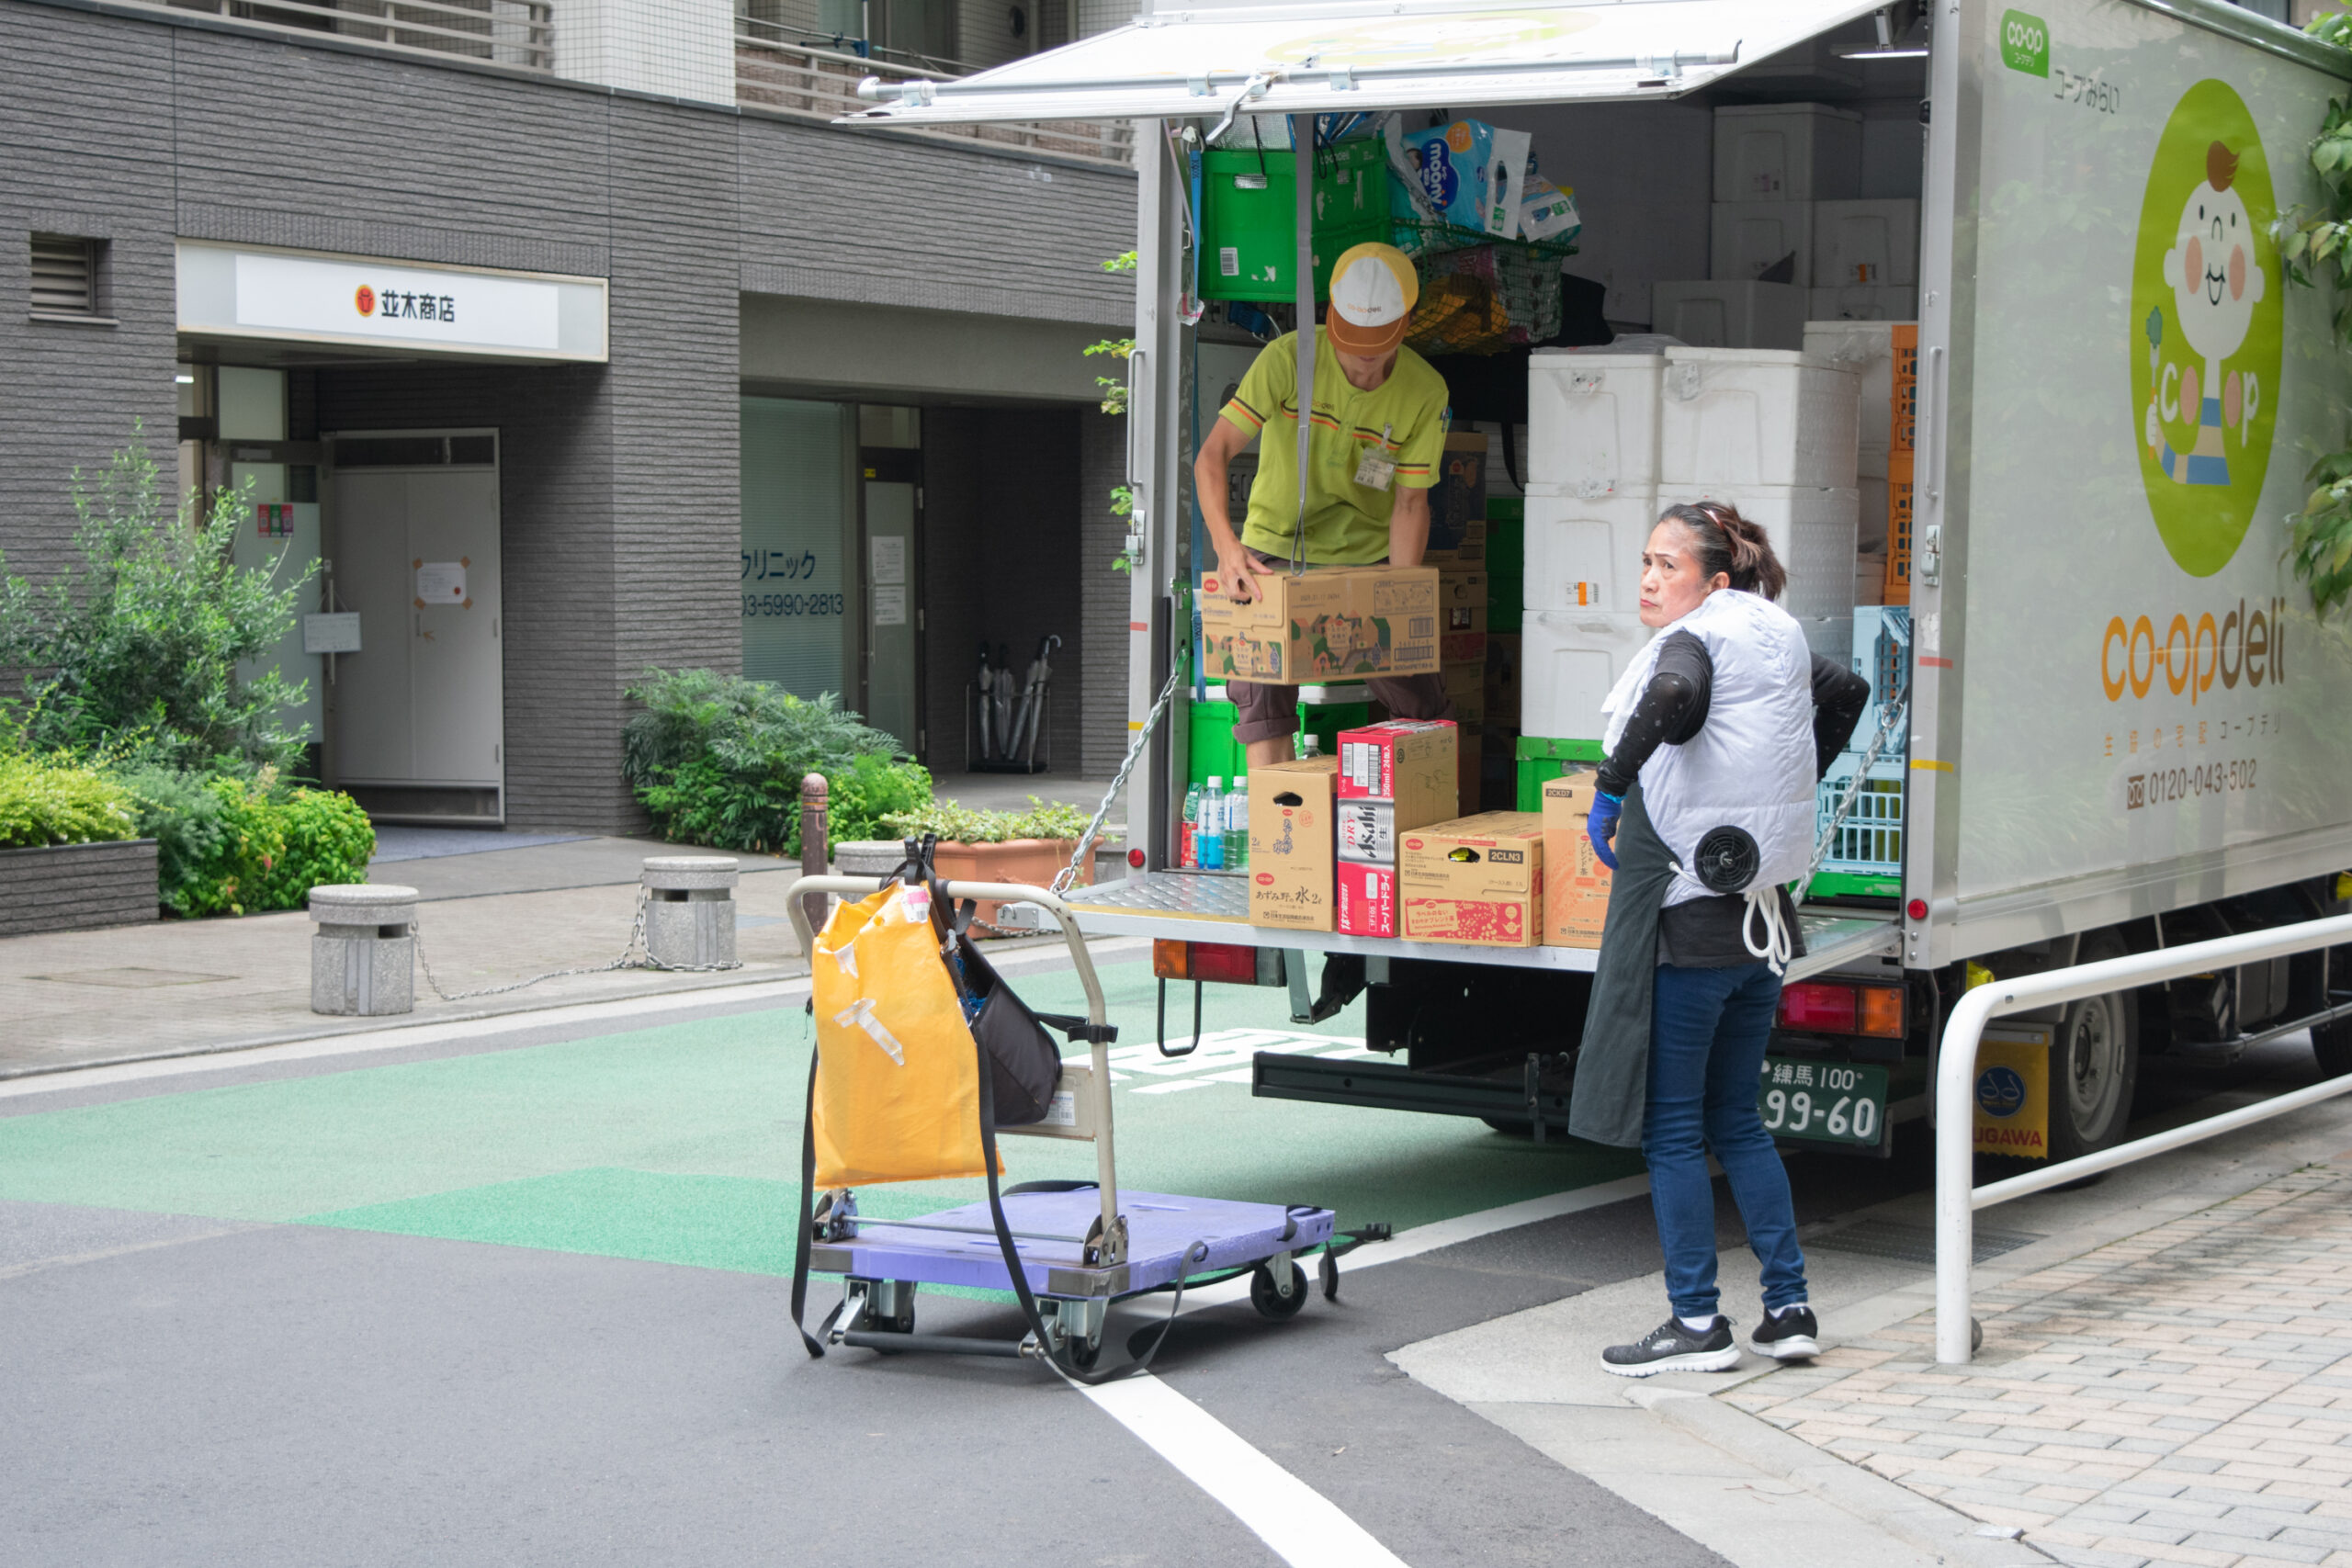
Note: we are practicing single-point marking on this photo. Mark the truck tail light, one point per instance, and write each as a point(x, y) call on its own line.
point(1822, 1007)
point(1220, 961)
point(1818, 1008)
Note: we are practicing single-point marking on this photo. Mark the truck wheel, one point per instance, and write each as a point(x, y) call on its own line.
point(2332, 1043)
point(2094, 1065)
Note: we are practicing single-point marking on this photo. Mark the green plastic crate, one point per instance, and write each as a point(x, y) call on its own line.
point(1249, 216)
point(1542, 761)
point(1506, 561)
point(1215, 752)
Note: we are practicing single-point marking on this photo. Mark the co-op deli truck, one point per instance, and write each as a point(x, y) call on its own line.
point(2109, 722)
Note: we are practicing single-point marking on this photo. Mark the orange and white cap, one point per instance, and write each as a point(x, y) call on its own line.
point(1373, 289)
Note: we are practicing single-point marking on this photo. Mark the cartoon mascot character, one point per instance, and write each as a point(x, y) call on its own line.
point(2216, 282)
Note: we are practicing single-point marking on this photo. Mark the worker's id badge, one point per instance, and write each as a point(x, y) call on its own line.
point(1376, 470)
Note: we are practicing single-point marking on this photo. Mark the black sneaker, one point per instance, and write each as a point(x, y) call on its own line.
point(1671, 1348)
point(1788, 1336)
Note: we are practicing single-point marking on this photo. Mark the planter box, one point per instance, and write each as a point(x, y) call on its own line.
point(74, 887)
point(1035, 862)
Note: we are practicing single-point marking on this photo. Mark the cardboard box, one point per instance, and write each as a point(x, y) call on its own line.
point(1291, 843)
point(1367, 899)
point(1469, 763)
point(1462, 648)
point(1465, 684)
point(1328, 624)
point(1408, 762)
point(1475, 880)
point(1462, 609)
point(1502, 679)
point(1575, 888)
point(1458, 501)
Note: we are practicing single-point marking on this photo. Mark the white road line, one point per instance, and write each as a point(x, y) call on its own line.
point(1304, 1529)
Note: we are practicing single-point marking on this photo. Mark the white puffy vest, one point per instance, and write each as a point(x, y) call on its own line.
point(1751, 765)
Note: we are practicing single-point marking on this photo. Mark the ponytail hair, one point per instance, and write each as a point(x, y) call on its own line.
point(1729, 544)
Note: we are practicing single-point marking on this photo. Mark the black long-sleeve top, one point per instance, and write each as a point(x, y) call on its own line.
point(1704, 933)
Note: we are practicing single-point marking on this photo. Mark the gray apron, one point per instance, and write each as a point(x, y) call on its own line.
point(1611, 1090)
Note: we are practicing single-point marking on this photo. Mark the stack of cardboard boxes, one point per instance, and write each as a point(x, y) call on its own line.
point(1393, 778)
point(1576, 890)
point(1475, 880)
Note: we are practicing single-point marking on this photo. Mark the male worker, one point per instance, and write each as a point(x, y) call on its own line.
point(1375, 442)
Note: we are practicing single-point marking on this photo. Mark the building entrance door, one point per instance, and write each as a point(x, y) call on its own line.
point(416, 724)
point(893, 643)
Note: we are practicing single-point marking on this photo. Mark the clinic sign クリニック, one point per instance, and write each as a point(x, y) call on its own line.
point(2207, 340)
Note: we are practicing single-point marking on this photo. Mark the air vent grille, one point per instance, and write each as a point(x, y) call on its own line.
point(64, 275)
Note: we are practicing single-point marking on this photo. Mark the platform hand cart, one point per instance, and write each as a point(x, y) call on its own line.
point(1080, 1245)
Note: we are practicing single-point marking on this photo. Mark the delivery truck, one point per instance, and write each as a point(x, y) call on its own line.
point(2111, 722)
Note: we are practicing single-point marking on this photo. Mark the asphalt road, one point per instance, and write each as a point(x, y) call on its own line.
point(518, 1301)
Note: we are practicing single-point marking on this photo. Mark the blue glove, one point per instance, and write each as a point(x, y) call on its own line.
point(1602, 825)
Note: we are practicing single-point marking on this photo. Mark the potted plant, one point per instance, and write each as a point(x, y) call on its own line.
point(1028, 847)
point(71, 857)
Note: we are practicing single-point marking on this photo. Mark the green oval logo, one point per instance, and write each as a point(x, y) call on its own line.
point(2205, 301)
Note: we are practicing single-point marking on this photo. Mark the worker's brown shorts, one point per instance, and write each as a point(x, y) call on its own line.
point(1262, 712)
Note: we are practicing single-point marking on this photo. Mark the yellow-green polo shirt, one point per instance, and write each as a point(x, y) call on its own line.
point(1347, 523)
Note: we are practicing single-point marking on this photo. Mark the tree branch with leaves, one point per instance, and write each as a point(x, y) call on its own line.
point(2315, 246)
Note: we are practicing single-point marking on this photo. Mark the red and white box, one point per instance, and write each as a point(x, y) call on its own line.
point(1367, 899)
point(1368, 832)
point(1408, 763)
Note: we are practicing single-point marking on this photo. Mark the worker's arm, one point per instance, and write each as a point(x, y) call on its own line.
point(1408, 526)
point(1838, 698)
point(1671, 709)
point(1211, 482)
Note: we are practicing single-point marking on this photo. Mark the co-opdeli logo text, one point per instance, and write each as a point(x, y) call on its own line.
point(2243, 646)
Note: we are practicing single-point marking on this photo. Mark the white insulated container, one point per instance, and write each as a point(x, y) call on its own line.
point(1592, 421)
point(1863, 302)
point(1787, 152)
point(1728, 313)
point(1585, 552)
point(1867, 348)
point(1866, 244)
point(1747, 239)
point(1753, 417)
point(1569, 660)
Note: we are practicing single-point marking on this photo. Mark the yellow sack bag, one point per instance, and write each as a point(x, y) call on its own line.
point(898, 1084)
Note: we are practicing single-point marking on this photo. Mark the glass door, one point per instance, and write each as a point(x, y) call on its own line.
point(891, 502)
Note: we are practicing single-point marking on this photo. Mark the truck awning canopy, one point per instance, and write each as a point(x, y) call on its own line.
point(1343, 59)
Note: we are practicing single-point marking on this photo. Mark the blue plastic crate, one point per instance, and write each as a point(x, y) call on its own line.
point(1868, 842)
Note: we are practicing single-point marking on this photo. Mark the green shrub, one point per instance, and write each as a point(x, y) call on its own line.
point(719, 760)
point(328, 839)
point(144, 641)
point(231, 845)
point(54, 800)
point(965, 825)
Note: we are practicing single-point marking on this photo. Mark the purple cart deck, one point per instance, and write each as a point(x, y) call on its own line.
point(1160, 1228)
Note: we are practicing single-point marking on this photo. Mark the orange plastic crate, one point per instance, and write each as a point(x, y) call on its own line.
point(1898, 527)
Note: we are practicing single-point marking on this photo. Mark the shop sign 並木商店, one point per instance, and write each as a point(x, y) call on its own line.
point(255, 293)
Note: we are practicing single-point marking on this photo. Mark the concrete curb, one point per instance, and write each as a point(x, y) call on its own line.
point(1916, 1521)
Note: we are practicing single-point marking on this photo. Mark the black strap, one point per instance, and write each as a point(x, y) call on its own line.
point(800, 1242)
point(1080, 1028)
point(1195, 1253)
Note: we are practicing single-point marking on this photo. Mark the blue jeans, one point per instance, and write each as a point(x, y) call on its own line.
point(1708, 1029)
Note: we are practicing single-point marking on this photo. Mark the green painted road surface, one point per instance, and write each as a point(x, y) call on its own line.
point(682, 1144)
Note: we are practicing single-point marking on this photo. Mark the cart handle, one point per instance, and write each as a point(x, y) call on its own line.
point(1097, 1012)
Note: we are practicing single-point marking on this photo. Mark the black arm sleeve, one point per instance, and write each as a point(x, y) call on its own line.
point(1838, 698)
point(1672, 708)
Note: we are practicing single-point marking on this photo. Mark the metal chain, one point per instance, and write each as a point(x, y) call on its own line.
point(634, 957)
point(1068, 873)
point(1896, 715)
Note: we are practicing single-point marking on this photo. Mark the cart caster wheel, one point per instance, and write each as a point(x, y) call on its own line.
point(1269, 1302)
point(889, 1307)
point(1084, 1353)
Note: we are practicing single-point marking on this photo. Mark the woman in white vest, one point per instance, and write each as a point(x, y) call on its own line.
point(1717, 735)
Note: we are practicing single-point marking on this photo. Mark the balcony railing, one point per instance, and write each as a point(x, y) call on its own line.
point(519, 33)
point(777, 67)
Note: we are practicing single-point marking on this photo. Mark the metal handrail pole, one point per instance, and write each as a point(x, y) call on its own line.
point(1957, 1199)
point(1097, 1009)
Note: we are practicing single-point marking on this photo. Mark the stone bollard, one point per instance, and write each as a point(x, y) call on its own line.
point(690, 910)
point(815, 836)
point(868, 857)
point(362, 953)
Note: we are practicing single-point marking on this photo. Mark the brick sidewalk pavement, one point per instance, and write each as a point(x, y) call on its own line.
point(2180, 1396)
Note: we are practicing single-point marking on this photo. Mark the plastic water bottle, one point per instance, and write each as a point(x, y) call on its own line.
point(1208, 834)
point(1188, 835)
point(1314, 745)
point(1237, 826)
